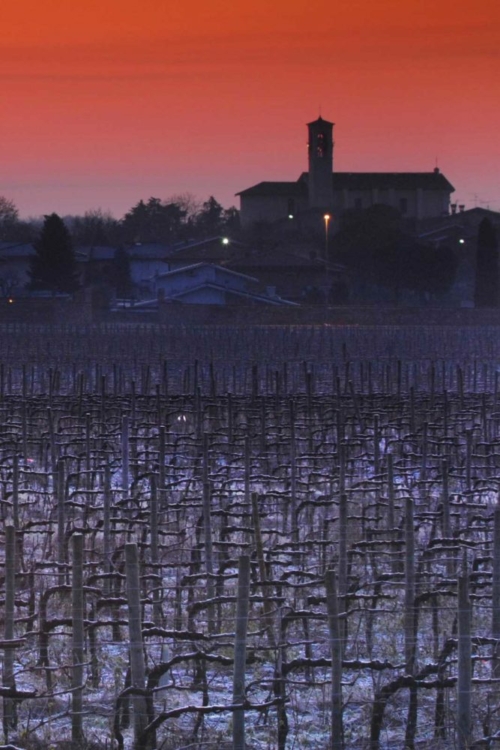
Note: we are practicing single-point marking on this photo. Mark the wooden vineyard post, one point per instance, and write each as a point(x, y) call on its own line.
point(60, 481)
point(495, 625)
point(390, 494)
point(137, 667)
point(161, 465)
point(410, 618)
point(157, 610)
point(106, 530)
point(125, 457)
point(294, 529)
point(77, 605)
point(209, 557)
point(343, 565)
point(15, 490)
point(464, 663)
point(9, 706)
point(267, 606)
point(240, 644)
point(337, 737)
point(409, 613)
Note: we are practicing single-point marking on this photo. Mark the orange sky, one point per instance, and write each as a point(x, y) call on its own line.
point(105, 102)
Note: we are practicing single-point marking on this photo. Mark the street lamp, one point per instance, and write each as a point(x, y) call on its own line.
point(326, 218)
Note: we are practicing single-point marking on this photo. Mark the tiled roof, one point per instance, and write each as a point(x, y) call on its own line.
point(388, 180)
point(187, 269)
point(148, 250)
point(286, 189)
point(355, 181)
point(234, 292)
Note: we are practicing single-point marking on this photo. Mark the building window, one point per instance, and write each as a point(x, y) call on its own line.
point(403, 206)
point(291, 206)
point(358, 204)
point(321, 145)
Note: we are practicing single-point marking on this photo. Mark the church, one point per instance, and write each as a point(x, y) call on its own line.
point(417, 195)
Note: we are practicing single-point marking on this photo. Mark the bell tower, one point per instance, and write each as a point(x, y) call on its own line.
point(320, 147)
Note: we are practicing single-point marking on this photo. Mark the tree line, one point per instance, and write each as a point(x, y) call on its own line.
point(377, 248)
point(175, 219)
point(54, 266)
point(372, 244)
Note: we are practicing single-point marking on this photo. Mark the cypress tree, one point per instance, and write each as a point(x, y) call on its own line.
point(54, 266)
point(486, 292)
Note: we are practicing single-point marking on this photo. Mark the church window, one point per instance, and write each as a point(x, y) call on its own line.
point(291, 206)
point(321, 145)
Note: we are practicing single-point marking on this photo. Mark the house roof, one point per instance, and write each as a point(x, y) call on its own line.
point(177, 296)
point(211, 249)
point(355, 181)
point(97, 252)
point(148, 251)
point(186, 269)
point(468, 220)
point(234, 292)
point(277, 257)
point(9, 250)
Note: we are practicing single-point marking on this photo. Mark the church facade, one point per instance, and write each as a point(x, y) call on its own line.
point(417, 195)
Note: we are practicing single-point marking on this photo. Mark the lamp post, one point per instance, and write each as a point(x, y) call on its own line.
point(326, 218)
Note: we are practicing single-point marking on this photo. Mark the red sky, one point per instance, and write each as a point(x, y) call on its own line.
point(105, 102)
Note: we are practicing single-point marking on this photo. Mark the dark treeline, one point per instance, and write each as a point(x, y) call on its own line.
point(176, 219)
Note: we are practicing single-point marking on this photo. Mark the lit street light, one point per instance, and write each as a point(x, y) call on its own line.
point(327, 218)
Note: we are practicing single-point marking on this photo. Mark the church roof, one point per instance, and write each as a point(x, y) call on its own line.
point(355, 181)
point(320, 119)
point(296, 189)
point(386, 180)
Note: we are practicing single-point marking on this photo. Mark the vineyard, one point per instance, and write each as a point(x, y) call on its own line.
point(265, 538)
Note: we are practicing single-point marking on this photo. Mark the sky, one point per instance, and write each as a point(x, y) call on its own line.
point(107, 102)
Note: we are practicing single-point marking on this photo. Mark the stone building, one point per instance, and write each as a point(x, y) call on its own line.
point(417, 195)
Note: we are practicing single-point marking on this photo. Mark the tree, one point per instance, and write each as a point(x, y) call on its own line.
point(210, 219)
point(54, 265)
point(368, 242)
point(372, 242)
point(486, 293)
point(154, 221)
point(429, 269)
point(95, 227)
point(9, 217)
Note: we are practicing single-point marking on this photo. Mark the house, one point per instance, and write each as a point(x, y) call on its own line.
point(146, 259)
point(299, 276)
point(217, 250)
point(209, 284)
point(15, 258)
point(417, 195)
